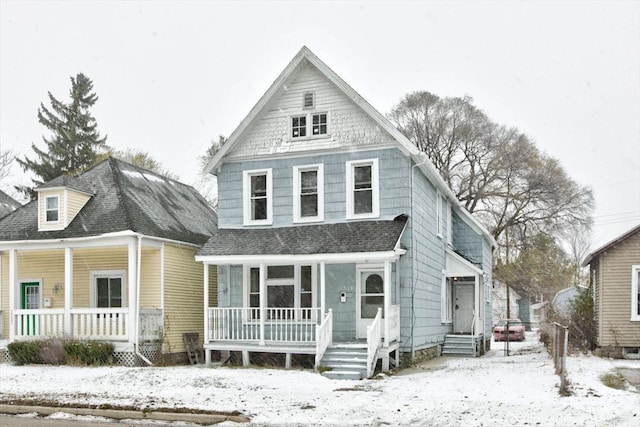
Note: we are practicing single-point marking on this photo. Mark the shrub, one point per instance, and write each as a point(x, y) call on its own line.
point(88, 353)
point(582, 328)
point(25, 352)
point(52, 352)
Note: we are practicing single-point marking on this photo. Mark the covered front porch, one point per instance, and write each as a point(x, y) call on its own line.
point(84, 289)
point(303, 303)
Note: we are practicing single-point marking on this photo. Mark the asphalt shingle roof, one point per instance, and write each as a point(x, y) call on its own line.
point(349, 237)
point(125, 197)
point(7, 204)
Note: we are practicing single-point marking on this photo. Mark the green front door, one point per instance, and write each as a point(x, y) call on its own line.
point(30, 300)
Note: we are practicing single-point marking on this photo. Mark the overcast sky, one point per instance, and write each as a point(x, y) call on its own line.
point(172, 76)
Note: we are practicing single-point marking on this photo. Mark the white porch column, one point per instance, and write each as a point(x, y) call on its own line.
point(207, 353)
point(131, 280)
point(387, 300)
point(323, 291)
point(13, 283)
point(476, 313)
point(263, 299)
point(68, 290)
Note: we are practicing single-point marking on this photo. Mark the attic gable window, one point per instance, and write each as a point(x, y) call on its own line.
point(319, 124)
point(309, 125)
point(52, 211)
point(298, 126)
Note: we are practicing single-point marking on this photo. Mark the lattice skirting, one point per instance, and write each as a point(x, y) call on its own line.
point(4, 356)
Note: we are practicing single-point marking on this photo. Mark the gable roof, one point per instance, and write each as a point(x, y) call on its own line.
point(611, 244)
point(7, 204)
point(340, 238)
point(125, 198)
point(305, 56)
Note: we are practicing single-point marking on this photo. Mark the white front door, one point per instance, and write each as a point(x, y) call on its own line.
point(463, 308)
point(370, 297)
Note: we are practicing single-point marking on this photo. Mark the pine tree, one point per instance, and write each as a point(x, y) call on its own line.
point(74, 141)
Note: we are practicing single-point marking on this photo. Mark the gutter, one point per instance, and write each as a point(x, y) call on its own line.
point(138, 268)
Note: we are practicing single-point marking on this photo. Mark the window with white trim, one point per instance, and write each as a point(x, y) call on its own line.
point(308, 193)
point(258, 197)
point(309, 125)
point(635, 293)
point(287, 287)
point(52, 208)
point(362, 189)
point(108, 290)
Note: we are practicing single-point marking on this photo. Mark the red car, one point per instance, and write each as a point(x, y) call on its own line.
point(516, 330)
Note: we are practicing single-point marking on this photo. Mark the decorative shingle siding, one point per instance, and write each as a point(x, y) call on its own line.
point(348, 124)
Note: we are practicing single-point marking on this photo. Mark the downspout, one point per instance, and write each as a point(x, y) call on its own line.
point(414, 262)
point(138, 263)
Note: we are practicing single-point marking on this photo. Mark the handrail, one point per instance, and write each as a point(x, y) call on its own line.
point(324, 336)
point(374, 339)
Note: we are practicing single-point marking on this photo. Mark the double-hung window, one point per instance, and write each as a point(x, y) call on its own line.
point(362, 189)
point(258, 197)
point(635, 293)
point(52, 208)
point(308, 193)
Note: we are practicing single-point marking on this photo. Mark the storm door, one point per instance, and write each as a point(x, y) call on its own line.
point(370, 298)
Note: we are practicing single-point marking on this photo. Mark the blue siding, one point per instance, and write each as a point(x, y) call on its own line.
point(394, 182)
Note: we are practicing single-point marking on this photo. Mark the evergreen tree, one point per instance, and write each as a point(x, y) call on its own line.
point(74, 141)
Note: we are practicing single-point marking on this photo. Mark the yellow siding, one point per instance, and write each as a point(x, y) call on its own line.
point(42, 196)
point(213, 286)
point(183, 293)
point(75, 202)
point(47, 266)
point(4, 293)
point(87, 260)
point(150, 278)
point(615, 327)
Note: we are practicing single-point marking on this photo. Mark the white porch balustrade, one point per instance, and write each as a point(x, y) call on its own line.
point(281, 325)
point(109, 324)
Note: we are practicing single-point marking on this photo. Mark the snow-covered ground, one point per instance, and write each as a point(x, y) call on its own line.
point(492, 390)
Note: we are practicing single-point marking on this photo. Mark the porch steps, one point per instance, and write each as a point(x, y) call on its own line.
point(459, 345)
point(345, 361)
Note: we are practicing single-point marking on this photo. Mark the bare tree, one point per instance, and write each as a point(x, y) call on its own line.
point(6, 159)
point(496, 172)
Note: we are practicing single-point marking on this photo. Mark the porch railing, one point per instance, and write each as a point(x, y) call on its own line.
point(324, 336)
point(110, 324)
point(288, 325)
point(374, 337)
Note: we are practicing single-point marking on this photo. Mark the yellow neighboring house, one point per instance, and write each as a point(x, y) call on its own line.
point(107, 255)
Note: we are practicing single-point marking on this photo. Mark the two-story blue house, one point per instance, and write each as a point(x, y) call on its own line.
point(337, 237)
